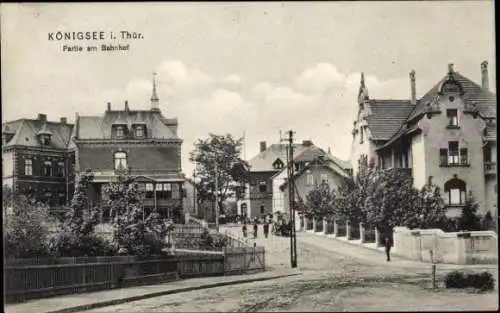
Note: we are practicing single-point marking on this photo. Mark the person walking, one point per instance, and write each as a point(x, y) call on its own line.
point(244, 229)
point(266, 228)
point(255, 228)
point(388, 245)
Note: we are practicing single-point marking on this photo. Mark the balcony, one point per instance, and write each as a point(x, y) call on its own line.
point(464, 163)
point(490, 168)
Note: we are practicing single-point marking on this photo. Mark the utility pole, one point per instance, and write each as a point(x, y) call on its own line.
point(291, 198)
point(216, 196)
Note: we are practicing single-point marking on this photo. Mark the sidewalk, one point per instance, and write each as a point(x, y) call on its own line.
point(92, 300)
point(369, 253)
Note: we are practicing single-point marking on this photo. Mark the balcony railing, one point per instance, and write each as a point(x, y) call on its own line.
point(454, 164)
point(490, 167)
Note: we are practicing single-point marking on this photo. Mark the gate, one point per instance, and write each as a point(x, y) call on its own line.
point(244, 260)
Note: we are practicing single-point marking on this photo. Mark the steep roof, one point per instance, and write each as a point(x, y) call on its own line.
point(387, 116)
point(263, 162)
point(25, 133)
point(327, 163)
point(99, 127)
point(486, 100)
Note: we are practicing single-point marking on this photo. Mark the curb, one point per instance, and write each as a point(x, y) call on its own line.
point(101, 304)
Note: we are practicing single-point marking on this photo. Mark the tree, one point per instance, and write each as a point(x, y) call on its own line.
point(319, 202)
point(25, 231)
point(218, 156)
point(468, 218)
point(487, 221)
point(81, 218)
point(433, 208)
point(134, 233)
point(77, 237)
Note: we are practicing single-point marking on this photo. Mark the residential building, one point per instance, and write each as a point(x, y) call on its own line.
point(37, 159)
point(323, 170)
point(143, 143)
point(267, 174)
point(448, 135)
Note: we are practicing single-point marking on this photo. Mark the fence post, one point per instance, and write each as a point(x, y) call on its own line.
point(314, 224)
point(348, 230)
point(361, 232)
point(225, 259)
point(335, 228)
point(377, 237)
point(433, 270)
point(325, 225)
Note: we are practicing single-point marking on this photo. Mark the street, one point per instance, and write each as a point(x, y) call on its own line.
point(336, 277)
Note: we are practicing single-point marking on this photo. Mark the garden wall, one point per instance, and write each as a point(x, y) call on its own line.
point(475, 247)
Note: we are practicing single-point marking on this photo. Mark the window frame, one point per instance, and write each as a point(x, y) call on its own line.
point(310, 179)
point(28, 162)
point(454, 157)
point(61, 169)
point(116, 158)
point(455, 185)
point(324, 178)
point(120, 131)
point(47, 168)
point(262, 187)
point(453, 121)
point(139, 128)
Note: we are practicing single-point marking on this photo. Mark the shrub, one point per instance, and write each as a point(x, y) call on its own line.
point(455, 279)
point(66, 244)
point(483, 281)
point(25, 230)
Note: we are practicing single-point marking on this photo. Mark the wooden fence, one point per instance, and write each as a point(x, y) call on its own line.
point(38, 278)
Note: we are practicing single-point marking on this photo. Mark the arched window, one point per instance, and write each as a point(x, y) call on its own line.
point(455, 190)
point(139, 131)
point(120, 161)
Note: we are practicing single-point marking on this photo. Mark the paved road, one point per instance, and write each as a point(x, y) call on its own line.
point(336, 276)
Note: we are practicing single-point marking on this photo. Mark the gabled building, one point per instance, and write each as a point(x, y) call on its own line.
point(143, 143)
point(37, 159)
point(448, 135)
point(324, 170)
point(267, 173)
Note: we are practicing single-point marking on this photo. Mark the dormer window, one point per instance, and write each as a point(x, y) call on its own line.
point(120, 132)
point(278, 164)
point(139, 131)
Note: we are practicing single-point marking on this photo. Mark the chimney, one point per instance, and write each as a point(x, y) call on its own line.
point(64, 120)
point(42, 117)
point(450, 68)
point(484, 75)
point(413, 88)
point(262, 146)
point(126, 105)
point(307, 143)
point(109, 107)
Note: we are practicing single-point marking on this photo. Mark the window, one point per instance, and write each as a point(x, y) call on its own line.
point(487, 154)
point(361, 134)
point(453, 152)
point(262, 209)
point(149, 190)
point(60, 169)
point(120, 131)
point(175, 191)
point(28, 167)
point(165, 190)
point(120, 161)
point(310, 179)
point(463, 156)
point(47, 168)
point(262, 187)
point(139, 131)
point(324, 178)
point(452, 115)
point(455, 191)
point(453, 156)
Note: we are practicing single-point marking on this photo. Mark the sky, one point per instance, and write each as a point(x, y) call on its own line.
point(241, 68)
